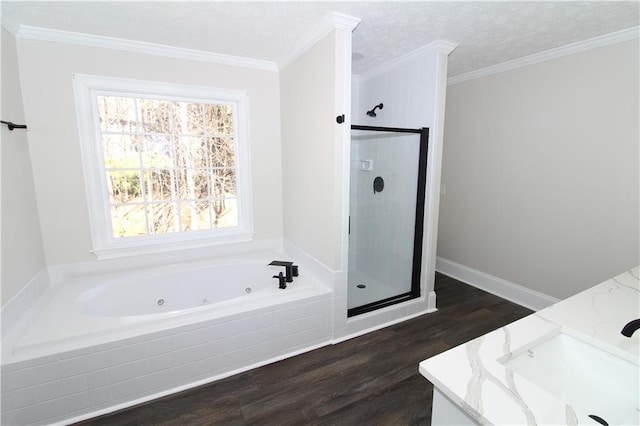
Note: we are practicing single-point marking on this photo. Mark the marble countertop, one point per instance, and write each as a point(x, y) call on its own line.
point(474, 376)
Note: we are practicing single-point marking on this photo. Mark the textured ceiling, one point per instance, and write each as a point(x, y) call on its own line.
point(487, 33)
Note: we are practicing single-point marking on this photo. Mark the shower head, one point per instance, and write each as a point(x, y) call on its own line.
point(372, 113)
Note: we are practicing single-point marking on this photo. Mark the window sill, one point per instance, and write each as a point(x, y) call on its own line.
point(168, 245)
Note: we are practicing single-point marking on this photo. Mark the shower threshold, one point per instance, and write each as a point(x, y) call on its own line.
point(368, 293)
point(380, 304)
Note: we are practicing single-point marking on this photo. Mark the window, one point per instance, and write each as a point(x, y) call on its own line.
point(166, 165)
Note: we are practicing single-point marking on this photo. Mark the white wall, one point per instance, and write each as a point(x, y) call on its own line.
point(312, 168)
point(22, 252)
point(46, 70)
point(541, 172)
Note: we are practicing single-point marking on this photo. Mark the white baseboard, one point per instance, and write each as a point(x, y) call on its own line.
point(507, 290)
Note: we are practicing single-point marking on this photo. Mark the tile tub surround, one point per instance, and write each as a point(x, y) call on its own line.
point(82, 383)
point(473, 377)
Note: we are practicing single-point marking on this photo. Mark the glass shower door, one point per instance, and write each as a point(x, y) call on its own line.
point(386, 208)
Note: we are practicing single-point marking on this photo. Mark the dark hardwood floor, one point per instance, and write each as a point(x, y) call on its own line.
point(368, 380)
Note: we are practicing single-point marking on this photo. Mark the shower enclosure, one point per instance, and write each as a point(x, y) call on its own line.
point(386, 212)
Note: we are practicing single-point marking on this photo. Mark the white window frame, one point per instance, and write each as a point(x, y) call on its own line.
point(86, 90)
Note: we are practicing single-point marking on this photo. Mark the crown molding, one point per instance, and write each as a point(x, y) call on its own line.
point(335, 21)
point(81, 39)
point(440, 46)
point(344, 22)
point(558, 52)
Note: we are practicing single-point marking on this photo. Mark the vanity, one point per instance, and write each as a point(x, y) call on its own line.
point(565, 365)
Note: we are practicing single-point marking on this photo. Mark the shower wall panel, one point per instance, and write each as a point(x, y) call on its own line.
point(382, 235)
point(406, 90)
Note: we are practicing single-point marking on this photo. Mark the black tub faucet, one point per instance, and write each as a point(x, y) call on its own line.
point(630, 328)
point(282, 281)
point(290, 269)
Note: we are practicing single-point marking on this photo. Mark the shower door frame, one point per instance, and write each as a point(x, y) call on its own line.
point(419, 222)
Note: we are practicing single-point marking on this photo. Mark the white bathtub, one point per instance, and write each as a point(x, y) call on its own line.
point(91, 310)
point(169, 291)
point(98, 343)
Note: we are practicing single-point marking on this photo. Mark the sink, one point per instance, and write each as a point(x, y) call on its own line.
point(591, 380)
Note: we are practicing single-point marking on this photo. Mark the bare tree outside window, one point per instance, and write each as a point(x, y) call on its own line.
point(170, 166)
